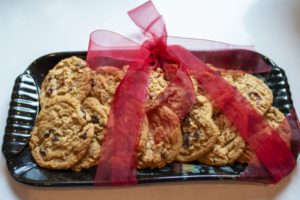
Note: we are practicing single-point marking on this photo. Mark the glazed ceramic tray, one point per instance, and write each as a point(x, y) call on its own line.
point(24, 107)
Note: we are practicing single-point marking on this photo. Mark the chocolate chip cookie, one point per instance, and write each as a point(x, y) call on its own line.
point(61, 135)
point(199, 132)
point(99, 115)
point(70, 76)
point(229, 144)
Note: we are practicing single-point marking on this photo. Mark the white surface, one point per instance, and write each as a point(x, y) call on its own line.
point(30, 29)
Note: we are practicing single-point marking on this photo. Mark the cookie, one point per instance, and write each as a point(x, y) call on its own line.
point(160, 144)
point(70, 76)
point(61, 135)
point(229, 144)
point(253, 89)
point(199, 132)
point(156, 85)
point(275, 119)
point(105, 82)
point(99, 115)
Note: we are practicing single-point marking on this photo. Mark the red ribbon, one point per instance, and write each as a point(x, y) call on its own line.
point(117, 165)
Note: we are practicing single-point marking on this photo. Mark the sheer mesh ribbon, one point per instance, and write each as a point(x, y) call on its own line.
point(117, 164)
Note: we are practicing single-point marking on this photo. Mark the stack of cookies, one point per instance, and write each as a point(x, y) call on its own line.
point(69, 128)
point(75, 103)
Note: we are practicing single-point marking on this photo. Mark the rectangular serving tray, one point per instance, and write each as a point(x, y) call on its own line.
point(24, 107)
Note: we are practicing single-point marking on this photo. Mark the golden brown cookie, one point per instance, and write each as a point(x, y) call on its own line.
point(252, 88)
point(61, 135)
point(157, 84)
point(276, 119)
point(99, 115)
point(105, 82)
point(161, 144)
point(228, 147)
point(199, 131)
point(70, 76)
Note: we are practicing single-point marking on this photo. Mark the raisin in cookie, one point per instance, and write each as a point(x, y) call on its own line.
point(199, 132)
point(161, 144)
point(70, 76)
point(276, 119)
point(228, 147)
point(61, 135)
point(99, 115)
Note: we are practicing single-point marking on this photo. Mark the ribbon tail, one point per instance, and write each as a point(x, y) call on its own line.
point(118, 161)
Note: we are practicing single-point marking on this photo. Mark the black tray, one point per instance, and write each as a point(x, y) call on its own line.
point(24, 107)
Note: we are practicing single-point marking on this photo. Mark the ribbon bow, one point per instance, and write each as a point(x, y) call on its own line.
point(118, 161)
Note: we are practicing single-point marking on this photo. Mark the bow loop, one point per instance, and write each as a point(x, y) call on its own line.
point(150, 21)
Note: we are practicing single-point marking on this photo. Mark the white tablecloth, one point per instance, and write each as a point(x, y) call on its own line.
point(30, 29)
